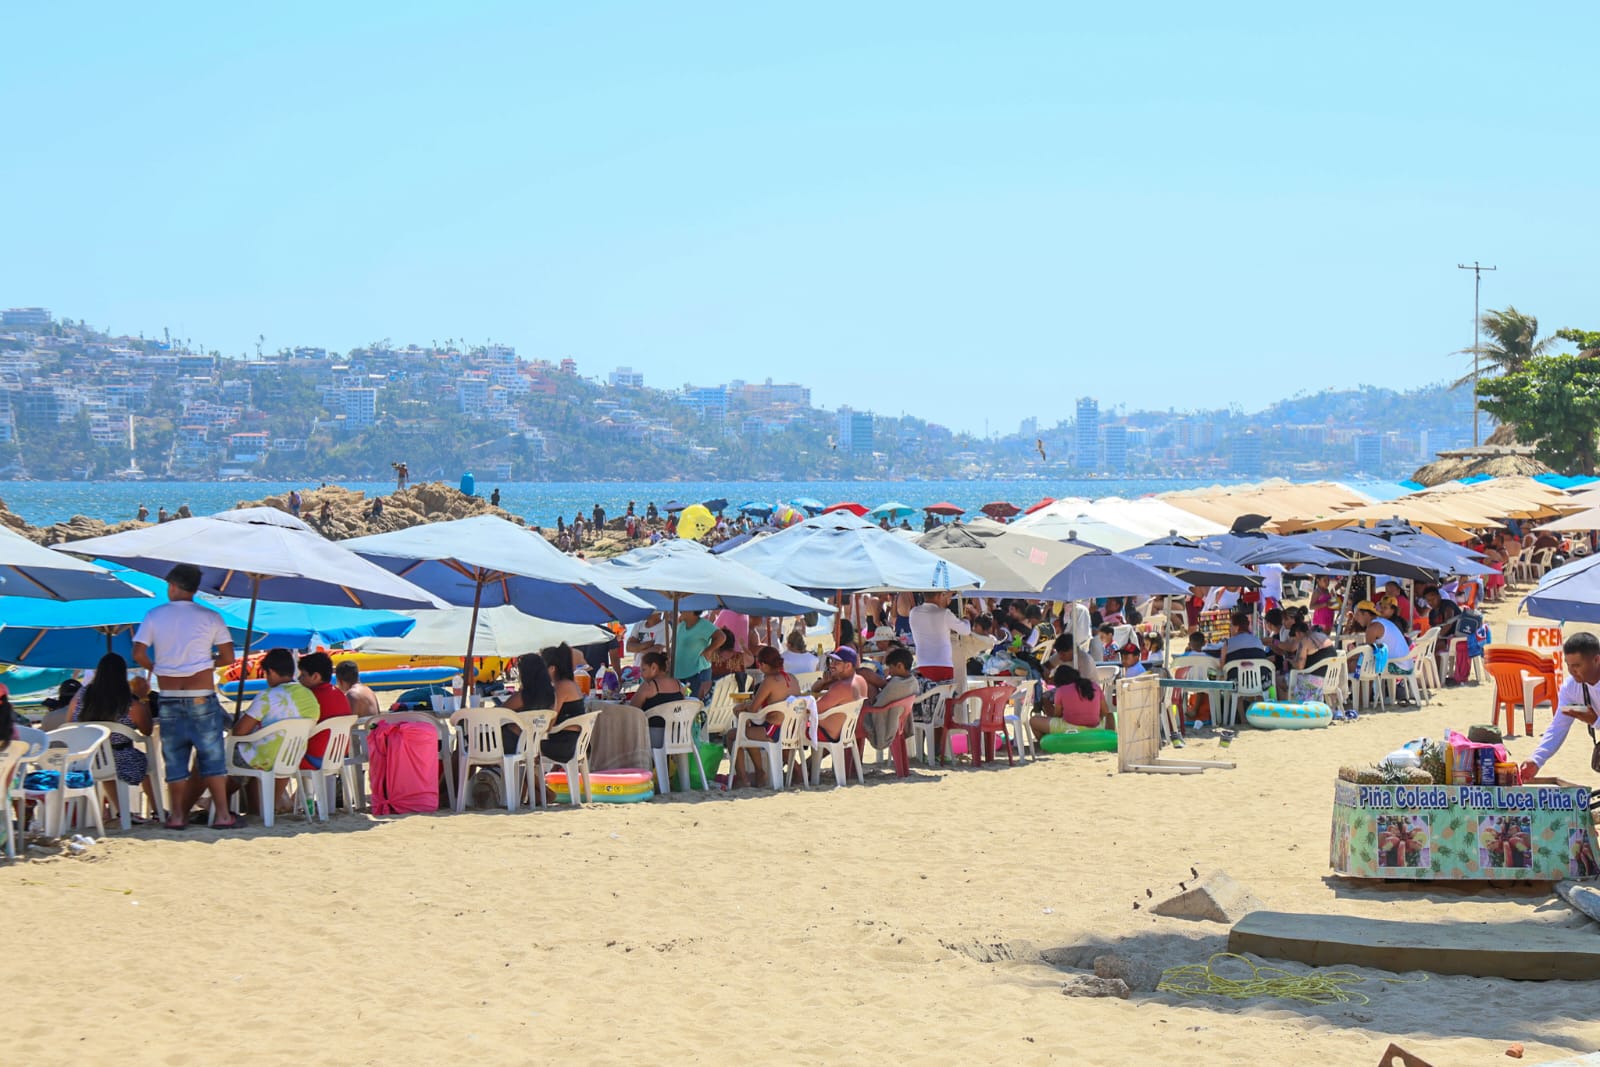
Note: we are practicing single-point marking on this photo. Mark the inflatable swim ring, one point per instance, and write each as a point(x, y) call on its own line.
point(1085, 740)
point(610, 787)
point(379, 681)
point(1272, 715)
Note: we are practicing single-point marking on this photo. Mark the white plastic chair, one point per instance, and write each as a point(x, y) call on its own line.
point(1425, 651)
point(80, 747)
point(838, 751)
point(128, 795)
point(530, 775)
point(807, 679)
point(1398, 685)
point(1330, 677)
point(580, 786)
point(719, 708)
point(677, 739)
point(479, 743)
point(935, 705)
point(10, 758)
point(1367, 684)
point(791, 730)
point(295, 733)
point(1252, 678)
point(322, 784)
point(1018, 735)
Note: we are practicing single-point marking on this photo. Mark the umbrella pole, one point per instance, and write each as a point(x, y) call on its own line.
point(472, 637)
point(672, 639)
point(249, 632)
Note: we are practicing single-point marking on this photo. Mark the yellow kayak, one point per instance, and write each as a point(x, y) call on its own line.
point(489, 667)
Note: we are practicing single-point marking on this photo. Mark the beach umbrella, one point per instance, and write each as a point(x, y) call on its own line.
point(1043, 502)
point(683, 575)
point(1587, 519)
point(892, 510)
point(1451, 558)
point(715, 504)
point(1258, 548)
point(486, 561)
point(259, 553)
point(757, 507)
point(1064, 525)
point(44, 633)
point(499, 631)
point(674, 506)
point(849, 505)
point(840, 553)
point(943, 507)
point(1193, 565)
point(1569, 593)
point(1098, 573)
point(1367, 553)
point(735, 541)
point(30, 570)
point(810, 505)
point(1000, 509)
point(1009, 562)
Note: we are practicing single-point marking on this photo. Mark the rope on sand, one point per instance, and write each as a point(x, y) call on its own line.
point(1317, 987)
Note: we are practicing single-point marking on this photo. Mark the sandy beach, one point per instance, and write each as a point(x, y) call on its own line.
point(935, 918)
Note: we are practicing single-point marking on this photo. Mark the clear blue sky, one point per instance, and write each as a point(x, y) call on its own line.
point(964, 211)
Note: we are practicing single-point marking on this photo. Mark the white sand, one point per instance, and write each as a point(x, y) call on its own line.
point(904, 919)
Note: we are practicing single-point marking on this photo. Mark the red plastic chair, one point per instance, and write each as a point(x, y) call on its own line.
point(897, 745)
point(982, 735)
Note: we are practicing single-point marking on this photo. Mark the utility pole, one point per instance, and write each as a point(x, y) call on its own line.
point(1477, 284)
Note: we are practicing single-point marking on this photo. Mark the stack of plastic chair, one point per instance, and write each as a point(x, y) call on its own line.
point(1521, 676)
point(79, 755)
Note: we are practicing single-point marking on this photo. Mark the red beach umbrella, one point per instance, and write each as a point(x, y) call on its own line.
point(849, 505)
point(943, 508)
point(999, 509)
point(1043, 503)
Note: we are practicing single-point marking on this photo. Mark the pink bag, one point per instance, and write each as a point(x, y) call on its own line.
point(403, 766)
point(1463, 763)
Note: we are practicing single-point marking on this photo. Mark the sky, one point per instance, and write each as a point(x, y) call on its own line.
point(971, 213)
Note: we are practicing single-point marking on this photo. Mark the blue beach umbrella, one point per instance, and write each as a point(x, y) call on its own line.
point(1570, 593)
point(715, 504)
point(687, 576)
point(30, 570)
point(1099, 573)
point(758, 508)
point(1193, 565)
point(1256, 548)
point(808, 504)
point(893, 510)
point(486, 561)
point(1367, 553)
point(43, 633)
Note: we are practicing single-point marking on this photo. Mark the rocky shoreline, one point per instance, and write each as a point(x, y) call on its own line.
point(337, 513)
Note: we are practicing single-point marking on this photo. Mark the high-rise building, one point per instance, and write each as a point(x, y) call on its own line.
point(360, 406)
point(626, 378)
point(1088, 434)
point(855, 431)
point(1369, 453)
point(1245, 453)
point(25, 317)
point(1028, 428)
point(1116, 449)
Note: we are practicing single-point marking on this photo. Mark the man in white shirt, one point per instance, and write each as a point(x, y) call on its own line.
point(1577, 701)
point(183, 643)
point(1272, 584)
point(648, 635)
point(932, 623)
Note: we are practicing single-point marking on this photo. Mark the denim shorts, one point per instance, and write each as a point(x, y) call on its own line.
point(697, 682)
point(193, 726)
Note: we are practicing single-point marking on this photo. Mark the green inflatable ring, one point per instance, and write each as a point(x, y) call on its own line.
point(1085, 740)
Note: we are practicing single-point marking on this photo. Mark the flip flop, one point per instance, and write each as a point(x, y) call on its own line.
point(173, 826)
point(232, 824)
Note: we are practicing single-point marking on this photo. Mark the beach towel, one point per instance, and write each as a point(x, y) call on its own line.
point(403, 764)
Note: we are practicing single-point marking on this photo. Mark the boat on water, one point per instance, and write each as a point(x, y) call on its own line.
point(30, 685)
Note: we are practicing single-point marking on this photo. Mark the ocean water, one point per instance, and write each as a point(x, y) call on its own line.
point(42, 503)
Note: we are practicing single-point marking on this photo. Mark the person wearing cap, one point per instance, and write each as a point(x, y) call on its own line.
point(839, 685)
point(1382, 633)
point(1128, 658)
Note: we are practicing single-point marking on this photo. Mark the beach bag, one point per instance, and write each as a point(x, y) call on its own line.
point(1462, 668)
point(403, 764)
point(1462, 764)
point(1471, 626)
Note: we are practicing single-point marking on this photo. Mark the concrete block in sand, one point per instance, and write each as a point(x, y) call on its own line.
point(1217, 898)
point(1089, 985)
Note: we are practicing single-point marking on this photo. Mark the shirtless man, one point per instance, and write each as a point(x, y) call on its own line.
point(183, 643)
point(363, 701)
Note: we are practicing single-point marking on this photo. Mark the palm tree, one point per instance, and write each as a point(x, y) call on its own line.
point(1512, 339)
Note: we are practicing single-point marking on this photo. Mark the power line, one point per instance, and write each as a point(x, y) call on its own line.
point(1477, 270)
